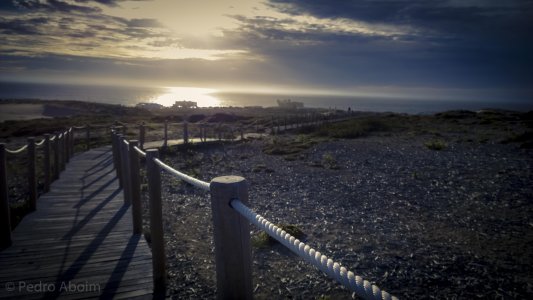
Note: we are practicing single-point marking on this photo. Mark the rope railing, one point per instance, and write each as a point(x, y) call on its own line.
point(345, 277)
point(138, 150)
point(39, 143)
point(19, 150)
point(191, 180)
point(228, 203)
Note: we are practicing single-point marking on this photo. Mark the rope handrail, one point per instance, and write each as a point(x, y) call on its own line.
point(39, 143)
point(19, 150)
point(126, 142)
point(139, 151)
point(79, 127)
point(357, 284)
point(195, 182)
point(52, 138)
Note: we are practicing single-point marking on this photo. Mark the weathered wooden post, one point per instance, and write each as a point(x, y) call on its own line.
point(32, 181)
point(88, 136)
point(114, 149)
point(141, 135)
point(232, 239)
point(185, 132)
point(65, 145)
point(47, 175)
point(242, 134)
point(165, 143)
point(56, 156)
point(125, 170)
point(71, 144)
point(135, 187)
point(5, 220)
point(156, 220)
point(118, 138)
point(62, 158)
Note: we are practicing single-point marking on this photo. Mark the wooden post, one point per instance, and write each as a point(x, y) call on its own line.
point(135, 187)
point(62, 158)
point(114, 150)
point(166, 134)
point(141, 135)
point(242, 134)
point(156, 220)
point(56, 156)
point(118, 138)
point(47, 175)
point(5, 220)
point(65, 145)
point(88, 136)
point(125, 163)
point(232, 239)
point(71, 145)
point(32, 181)
point(185, 132)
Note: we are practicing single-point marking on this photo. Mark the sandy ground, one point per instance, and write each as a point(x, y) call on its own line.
point(26, 111)
point(21, 111)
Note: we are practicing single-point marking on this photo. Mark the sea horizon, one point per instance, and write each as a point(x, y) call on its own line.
point(130, 96)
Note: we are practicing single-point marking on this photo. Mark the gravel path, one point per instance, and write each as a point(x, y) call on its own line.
point(456, 223)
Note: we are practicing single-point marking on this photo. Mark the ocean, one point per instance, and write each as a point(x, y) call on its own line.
point(130, 96)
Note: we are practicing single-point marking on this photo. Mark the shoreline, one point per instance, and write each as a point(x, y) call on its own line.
point(32, 109)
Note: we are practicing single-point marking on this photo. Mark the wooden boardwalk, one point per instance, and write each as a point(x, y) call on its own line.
point(79, 243)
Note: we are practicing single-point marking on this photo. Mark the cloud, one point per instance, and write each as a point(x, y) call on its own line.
point(28, 26)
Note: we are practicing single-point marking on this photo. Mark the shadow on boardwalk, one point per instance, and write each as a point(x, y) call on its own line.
point(79, 241)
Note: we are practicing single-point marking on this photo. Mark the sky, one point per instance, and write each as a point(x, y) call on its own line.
point(414, 48)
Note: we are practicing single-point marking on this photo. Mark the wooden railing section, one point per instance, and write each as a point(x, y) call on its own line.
point(57, 148)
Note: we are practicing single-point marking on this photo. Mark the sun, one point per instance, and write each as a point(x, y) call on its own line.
point(202, 96)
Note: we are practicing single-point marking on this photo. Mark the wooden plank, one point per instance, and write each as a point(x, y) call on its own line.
point(81, 233)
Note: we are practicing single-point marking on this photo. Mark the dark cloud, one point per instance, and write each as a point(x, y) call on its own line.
point(417, 57)
point(24, 27)
point(147, 23)
point(52, 6)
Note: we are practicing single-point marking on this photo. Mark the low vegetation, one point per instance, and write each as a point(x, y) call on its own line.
point(436, 145)
point(263, 240)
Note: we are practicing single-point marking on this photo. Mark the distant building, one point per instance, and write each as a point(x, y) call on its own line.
point(185, 104)
point(149, 106)
point(288, 104)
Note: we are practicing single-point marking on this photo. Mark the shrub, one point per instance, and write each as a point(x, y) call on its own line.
point(436, 145)
point(262, 239)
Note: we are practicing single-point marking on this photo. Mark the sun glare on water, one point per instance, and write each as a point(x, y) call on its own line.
point(202, 96)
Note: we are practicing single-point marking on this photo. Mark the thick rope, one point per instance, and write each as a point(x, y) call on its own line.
point(52, 138)
point(79, 127)
point(139, 151)
point(19, 150)
point(39, 143)
point(347, 278)
point(195, 182)
point(126, 142)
